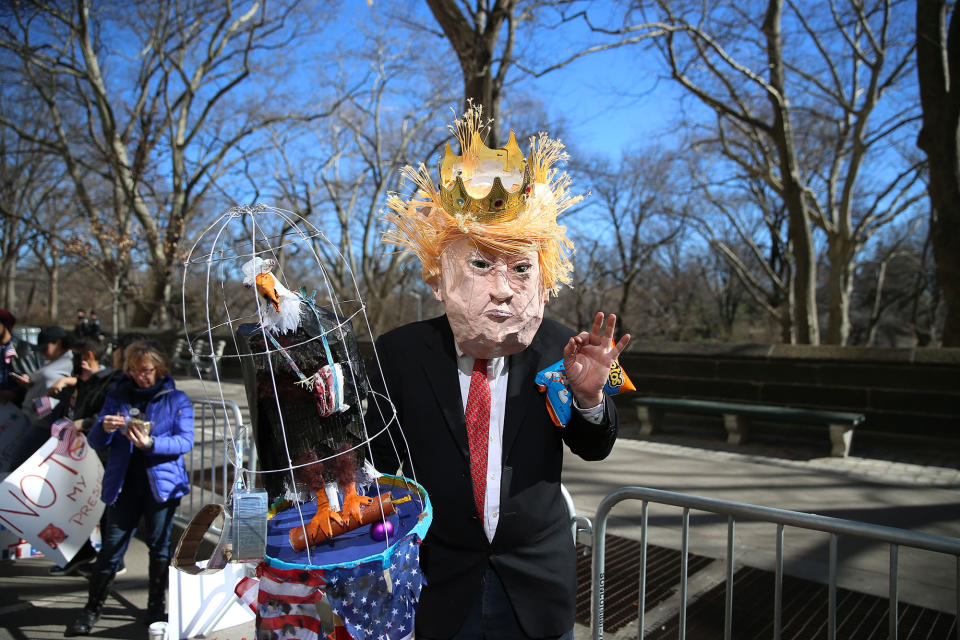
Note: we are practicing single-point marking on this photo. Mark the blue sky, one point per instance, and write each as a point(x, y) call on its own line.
point(608, 100)
point(609, 105)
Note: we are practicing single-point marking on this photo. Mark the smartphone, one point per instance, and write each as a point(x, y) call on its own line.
point(143, 425)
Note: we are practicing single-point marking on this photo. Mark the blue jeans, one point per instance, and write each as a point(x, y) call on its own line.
point(492, 616)
point(122, 517)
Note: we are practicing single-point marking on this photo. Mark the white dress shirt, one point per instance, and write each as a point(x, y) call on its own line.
point(497, 374)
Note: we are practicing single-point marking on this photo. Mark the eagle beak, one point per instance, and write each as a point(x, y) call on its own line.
point(266, 289)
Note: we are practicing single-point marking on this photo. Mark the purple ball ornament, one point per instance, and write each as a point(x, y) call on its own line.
point(380, 530)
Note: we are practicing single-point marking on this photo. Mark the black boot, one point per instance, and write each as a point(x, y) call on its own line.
point(99, 586)
point(157, 591)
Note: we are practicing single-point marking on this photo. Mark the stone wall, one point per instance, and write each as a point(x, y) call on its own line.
point(911, 393)
point(906, 394)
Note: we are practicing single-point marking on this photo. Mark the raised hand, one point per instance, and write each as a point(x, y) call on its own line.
point(60, 385)
point(587, 358)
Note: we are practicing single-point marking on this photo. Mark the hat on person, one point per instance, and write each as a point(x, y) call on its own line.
point(7, 319)
point(50, 334)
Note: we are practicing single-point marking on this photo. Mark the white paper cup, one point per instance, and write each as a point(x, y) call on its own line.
point(157, 630)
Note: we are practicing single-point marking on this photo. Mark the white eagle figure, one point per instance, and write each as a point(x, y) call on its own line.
point(281, 314)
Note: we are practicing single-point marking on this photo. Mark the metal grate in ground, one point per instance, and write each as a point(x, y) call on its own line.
point(804, 613)
point(622, 579)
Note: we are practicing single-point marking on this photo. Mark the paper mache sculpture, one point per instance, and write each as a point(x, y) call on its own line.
point(332, 539)
point(505, 202)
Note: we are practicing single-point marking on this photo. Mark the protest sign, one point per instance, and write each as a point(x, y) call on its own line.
point(53, 499)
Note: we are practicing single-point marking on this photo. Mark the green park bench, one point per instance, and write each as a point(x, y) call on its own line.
point(737, 417)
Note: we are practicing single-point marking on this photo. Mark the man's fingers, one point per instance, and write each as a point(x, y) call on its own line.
point(611, 327)
point(596, 330)
point(621, 345)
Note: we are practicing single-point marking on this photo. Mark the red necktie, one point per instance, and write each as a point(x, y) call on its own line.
point(477, 416)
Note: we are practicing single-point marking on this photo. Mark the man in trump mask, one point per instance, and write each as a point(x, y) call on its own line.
point(499, 560)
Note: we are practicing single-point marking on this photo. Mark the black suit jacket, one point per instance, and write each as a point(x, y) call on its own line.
point(532, 551)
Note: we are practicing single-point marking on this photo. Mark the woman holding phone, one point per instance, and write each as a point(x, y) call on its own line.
point(147, 426)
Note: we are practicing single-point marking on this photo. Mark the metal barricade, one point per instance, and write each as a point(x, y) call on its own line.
point(896, 538)
point(578, 524)
point(218, 436)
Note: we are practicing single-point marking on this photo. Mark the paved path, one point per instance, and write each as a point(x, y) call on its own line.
point(908, 496)
point(911, 495)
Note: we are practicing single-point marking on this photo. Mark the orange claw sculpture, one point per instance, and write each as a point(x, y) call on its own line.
point(382, 507)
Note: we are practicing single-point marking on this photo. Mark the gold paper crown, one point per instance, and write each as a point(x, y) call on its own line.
point(499, 204)
point(431, 218)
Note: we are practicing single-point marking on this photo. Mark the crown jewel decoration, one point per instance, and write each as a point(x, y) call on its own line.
point(499, 203)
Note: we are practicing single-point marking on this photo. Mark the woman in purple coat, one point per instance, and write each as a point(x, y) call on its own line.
point(147, 426)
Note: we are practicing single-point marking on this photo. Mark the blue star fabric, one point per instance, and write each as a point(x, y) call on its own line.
point(376, 602)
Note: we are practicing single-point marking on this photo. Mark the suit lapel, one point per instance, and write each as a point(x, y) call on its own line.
point(440, 370)
point(520, 392)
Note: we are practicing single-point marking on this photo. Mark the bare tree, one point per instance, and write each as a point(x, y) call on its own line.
point(339, 174)
point(591, 288)
point(795, 95)
point(158, 109)
point(106, 243)
point(53, 218)
point(492, 37)
point(938, 71)
point(631, 205)
point(745, 223)
point(806, 125)
point(28, 178)
point(726, 291)
point(896, 301)
point(474, 30)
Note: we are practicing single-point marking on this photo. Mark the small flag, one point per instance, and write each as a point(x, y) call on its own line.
point(62, 430)
point(44, 405)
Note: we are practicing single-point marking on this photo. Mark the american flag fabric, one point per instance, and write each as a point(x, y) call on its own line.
point(373, 595)
point(43, 406)
point(62, 430)
point(285, 602)
point(373, 602)
point(9, 353)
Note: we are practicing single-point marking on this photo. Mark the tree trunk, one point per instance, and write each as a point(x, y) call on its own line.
point(53, 293)
point(475, 45)
point(8, 272)
point(806, 329)
point(623, 323)
point(115, 306)
point(877, 308)
point(30, 293)
point(938, 71)
point(788, 334)
point(839, 290)
point(801, 236)
point(153, 309)
point(478, 87)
